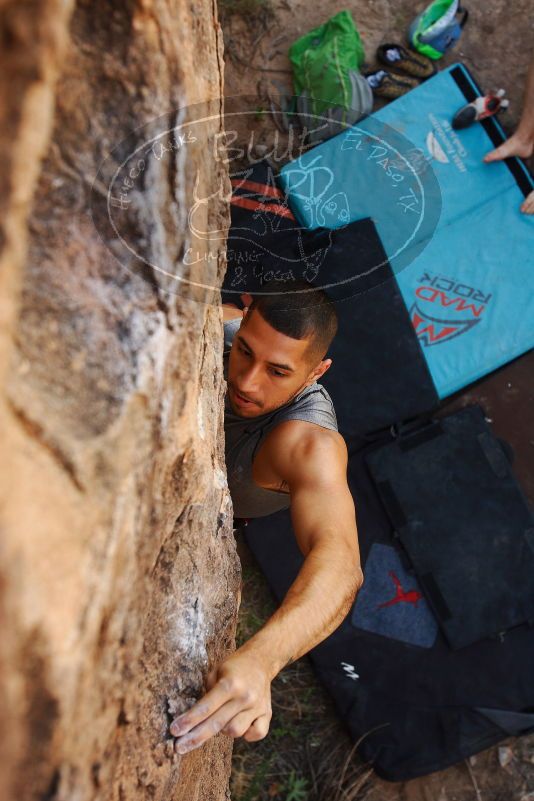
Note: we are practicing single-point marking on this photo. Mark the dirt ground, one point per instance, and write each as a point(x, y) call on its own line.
point(495, 45)
point(308, 755)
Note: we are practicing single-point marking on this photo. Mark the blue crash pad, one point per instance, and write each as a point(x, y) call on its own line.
point(460, 249)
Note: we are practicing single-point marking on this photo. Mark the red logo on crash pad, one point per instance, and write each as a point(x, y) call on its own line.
point(402, 596)
point(445, 309)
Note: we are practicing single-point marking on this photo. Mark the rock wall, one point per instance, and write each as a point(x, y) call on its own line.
point(119, 578)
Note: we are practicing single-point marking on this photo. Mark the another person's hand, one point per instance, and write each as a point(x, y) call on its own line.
point(238, 704)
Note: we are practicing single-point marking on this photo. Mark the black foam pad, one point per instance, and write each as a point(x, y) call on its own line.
point(464, 522)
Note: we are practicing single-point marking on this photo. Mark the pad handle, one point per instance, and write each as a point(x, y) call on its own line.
point(465, 17)
point(513, 723)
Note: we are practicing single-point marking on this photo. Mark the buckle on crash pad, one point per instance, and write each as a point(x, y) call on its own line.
point(413, 433)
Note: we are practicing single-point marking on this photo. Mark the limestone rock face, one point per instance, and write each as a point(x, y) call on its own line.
point(119, 578)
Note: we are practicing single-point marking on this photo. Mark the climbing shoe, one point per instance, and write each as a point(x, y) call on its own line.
point(389, 84)
point(480, 109)
point(406, 61)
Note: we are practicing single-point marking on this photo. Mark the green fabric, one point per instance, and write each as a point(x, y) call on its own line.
point(427, 50)
point(438, 11)
point(322, 59)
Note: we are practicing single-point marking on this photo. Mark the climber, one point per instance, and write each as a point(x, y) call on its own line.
point(283, 450)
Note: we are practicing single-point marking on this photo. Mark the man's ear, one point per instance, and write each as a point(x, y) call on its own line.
point(321, 369)
point(246, 299)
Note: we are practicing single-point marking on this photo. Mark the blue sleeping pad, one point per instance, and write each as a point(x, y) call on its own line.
point(460, 249)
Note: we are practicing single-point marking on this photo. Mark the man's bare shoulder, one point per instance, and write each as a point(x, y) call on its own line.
point(297, 452)
point(304, 435)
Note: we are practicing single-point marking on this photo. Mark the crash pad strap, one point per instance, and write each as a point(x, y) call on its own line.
point(392, 504)
point(435, 596)
point(513, 723)
point(494, 454)
point(419, 437)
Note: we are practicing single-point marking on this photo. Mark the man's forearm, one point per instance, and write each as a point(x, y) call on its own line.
point(239, 690)
point(316, 603)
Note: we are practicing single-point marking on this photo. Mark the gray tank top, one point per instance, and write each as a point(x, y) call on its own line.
point(243, 437)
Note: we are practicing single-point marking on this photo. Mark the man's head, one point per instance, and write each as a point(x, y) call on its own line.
point(280, 347)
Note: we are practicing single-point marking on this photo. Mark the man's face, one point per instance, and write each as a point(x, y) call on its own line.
point(267, 368)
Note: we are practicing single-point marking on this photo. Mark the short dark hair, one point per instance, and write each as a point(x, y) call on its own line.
point(299, 310)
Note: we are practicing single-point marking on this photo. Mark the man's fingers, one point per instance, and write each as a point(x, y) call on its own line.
point(238, 725)
point(239, 691)
point(248, 726)
point(225, 689)
point(210, 727)
point(211, 679)
point(215, 698)
point(258, 730)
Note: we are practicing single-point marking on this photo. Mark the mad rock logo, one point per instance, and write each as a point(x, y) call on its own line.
point(444, 309)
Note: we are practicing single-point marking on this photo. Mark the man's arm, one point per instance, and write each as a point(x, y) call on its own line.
point(322, 511)
point(324, 522)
